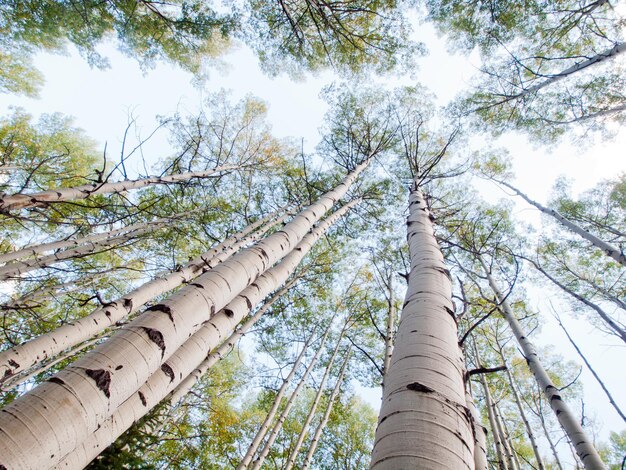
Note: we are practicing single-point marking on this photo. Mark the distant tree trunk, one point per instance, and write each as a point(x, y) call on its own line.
point(114, 371)
point(546, 433)
point(425, 380)
point(584, 447)
point(607, 249)
point(391, 318)
point(307, 422)
point(320, 427)
point(593, 372)
point(509, 450)
point(17, 268)
point(480, 437)
point(189, 355)
point(22, 201)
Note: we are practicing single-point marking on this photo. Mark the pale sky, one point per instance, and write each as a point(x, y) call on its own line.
point(102, 100)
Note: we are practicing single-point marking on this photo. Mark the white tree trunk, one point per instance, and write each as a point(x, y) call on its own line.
point(577, 436)
point(21, 201)
point(316, 401)
point(391, 318)
point(32, 352)
point(331, 401)
point(92, 388)
point(608, 249)
point(423, 420)
point(480, 437)
point(182, 362)
point(509, 452)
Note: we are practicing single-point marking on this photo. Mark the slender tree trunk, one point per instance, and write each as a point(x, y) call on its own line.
point(546, 433)
point(522, 413)
point(307, 422)
point(32, 352)
point(609, 250)
point(480, 436)
point(331, 401)
point(391, 318)
point(34, 250)
point(607, 319)
point(185, 358)
point(586, 117)
point(262, 432)
point(584, 446)
point(593, 372)
point(18, 268)
point(423, 422)
point(22, 201)
point(509, 451)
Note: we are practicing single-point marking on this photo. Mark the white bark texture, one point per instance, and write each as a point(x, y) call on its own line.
point(608, 249)
point(30, 353)
point(423, 421)
point(22, 201)
point(322, 424)
point(17, 268)
point(316, 401)
point(480, 436)
point(509, 452)
point(265, 426)
point(575, 433)
point(51, 420)
point(391, 319)
point(187, 357)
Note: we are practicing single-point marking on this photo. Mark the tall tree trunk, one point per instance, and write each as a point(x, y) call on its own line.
point(391, 318)
point(546, 433)
point(609, 250)
point(182, 362)
point(509, 451)
point(607, 319)
point(593, 372)
point(423, 421)
point(584, 446)
point(18, 268)
point(522, 413)
point(480, 437)
point(307, 422)
point(30, 353)
point(331, 401)
point(258, 462)
point(22, 201)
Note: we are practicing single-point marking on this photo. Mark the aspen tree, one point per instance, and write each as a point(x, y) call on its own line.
point(329, 407)
point(425, 381)
point(480, 437)
point(27, 354)
point(391, 317)
point(577, 436)
point(182, 362)
point(113, 371)
point(24, 201)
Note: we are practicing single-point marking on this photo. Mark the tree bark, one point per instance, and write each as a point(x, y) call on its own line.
point(509, 451)
point(584, 447)
point(32, 352)
point(182, 362)
point(22, 201)
point(307, 422)
point(391, 318)
point(423, 420)
point(609, 250)
point(331, 401)
point(480, 436)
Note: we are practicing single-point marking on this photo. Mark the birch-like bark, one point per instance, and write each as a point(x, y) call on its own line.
point(34, 250)
point(316, 401)
point(522, 413)
point(258, 462)
point(17, 268)
point(30, 353)
point(391, 318)
point(423, 421)
point(608, 249)
point(509, 452)
point(480, 436)
point(577, 436)
point(546, 433)
point(619, 331)
point(182, 362)
point(322, 424)
point(593, 372)
point(265, 426)
point(22, 201)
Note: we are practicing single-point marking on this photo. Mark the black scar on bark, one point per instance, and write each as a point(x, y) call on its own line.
point(128, 304)
point(156, 337)
point(142, 397)
point(229, 313)
point(162, 308)
point(102, 378)
point(167, 370)
point(2, 467)
point(56, 380)
point(14, 364)
point(418, 387)
point(195, 284)
point(7, 373)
